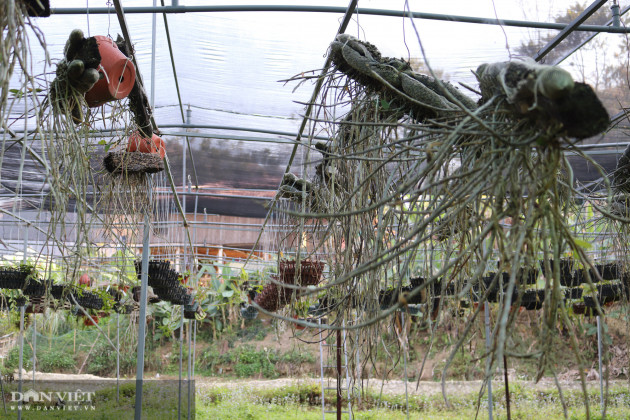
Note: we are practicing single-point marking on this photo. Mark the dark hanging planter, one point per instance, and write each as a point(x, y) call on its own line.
point(499, 287)
point(274, 297)
point(573, 293)
point(435, 287)
point(579, 277)
point(190, 310)
point(566, 268)
point(87, 300)
point(310, 272)
point(387, 298)
point(610, 271)
point(192, 306)
point(589, 302)
point(487, 282)
point(269, 298)
point(416, 281)
point(13, 278)
point(579, 308)
point(20, 301)
point(611, 292)
point(37, 287)
point(248, 311)
point(286, 270)
point(177, 296)
point(417, 299)
point(121, 308)
point(57, 291)
point(532, 299)
point(135, 293)
point(166, 278)
point(528, 275)
point(450, 289)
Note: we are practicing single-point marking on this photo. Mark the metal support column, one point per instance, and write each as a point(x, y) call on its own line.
point(181, 355)
point(321, 367)
point(153, 36)
point(486, 313)
point(34, 346)
point(118, 358)
point(194, 346)
point(189, 382)
point(507, 388)
point(4, 403)
point(599, 356)
point(21, 358)
point(142, 320)
point(339, 395)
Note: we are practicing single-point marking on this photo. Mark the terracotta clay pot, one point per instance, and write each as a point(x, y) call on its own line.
point(85, 280)
point(298, 326)
point(117, 74)
point(137, 143)
point(88, 323)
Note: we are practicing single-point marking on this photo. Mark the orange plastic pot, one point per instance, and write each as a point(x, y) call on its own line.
point(88, 323)
point(137, 143)
point(298, 326)
point(117, 74)
point(85, 280)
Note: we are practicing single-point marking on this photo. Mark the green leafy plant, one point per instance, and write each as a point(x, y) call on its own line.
point(56, 361)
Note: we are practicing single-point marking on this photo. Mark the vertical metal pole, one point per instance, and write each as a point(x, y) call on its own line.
point(358, 373)
point(184, 154)
point(4, 403)
point(486, 313)
point(34, 345)
point(507, 388)
point(599, 356)
point(321, 367)
point(181, 347)
point(153, 36)
point(339, 396)
point(194, 346)
point(615, 14)
point(188, 261)
point(402, 323)
point(189, 365)
point(21, 359)
point(345, 358)
point(118, 358)
point(144, 280)
point(184, 197)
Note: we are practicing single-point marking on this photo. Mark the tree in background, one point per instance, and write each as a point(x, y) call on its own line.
point(603, 66)
point(531, 47)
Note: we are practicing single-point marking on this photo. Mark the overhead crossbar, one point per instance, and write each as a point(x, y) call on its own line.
point(342, 10)
point(569, 29)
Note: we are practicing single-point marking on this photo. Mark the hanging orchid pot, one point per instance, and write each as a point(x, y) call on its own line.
point(117, 74)
point(155, 144)
point(90, 322)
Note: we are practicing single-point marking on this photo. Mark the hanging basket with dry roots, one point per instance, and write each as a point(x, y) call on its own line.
point(413, 167)
point(274, 297)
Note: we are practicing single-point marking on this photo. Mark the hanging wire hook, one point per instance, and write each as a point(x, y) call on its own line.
point(109, 5)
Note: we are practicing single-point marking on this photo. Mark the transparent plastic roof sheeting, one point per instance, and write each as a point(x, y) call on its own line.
point(230, 66)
